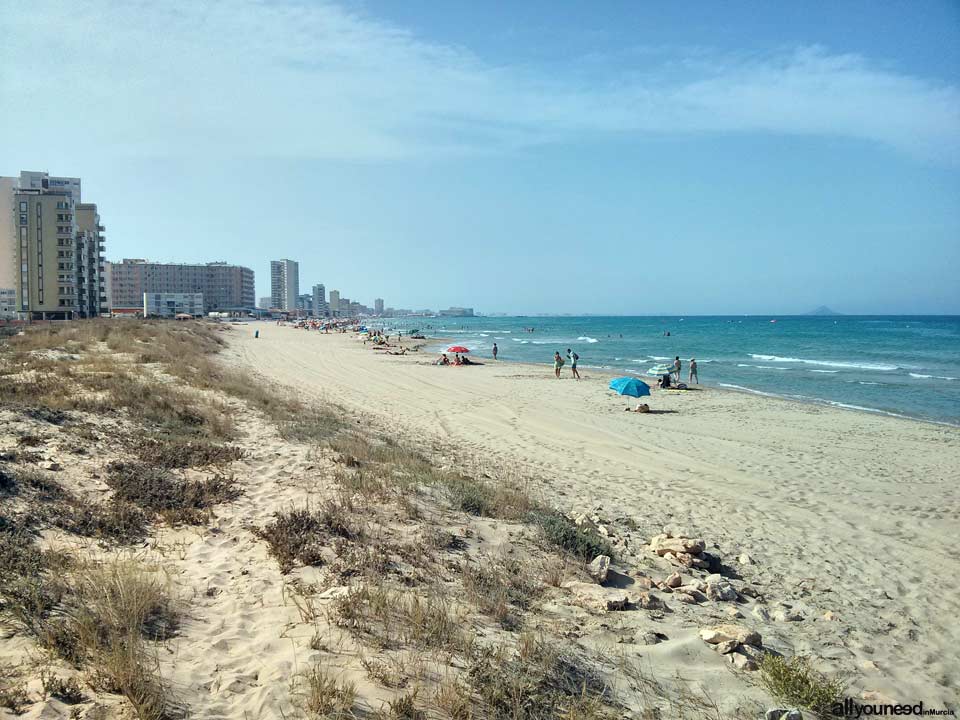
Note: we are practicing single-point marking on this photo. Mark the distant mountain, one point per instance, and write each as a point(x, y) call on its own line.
point(823, 310)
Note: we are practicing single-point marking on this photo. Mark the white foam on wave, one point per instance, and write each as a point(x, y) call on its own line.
point(827, 363)
point(588, 339)
point(657, 357)
point(828, 372)
point(931, 377)
point(760, 367)
point(522, 342)
point(918, 375)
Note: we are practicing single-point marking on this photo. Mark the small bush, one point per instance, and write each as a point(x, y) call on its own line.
point(158, 490)
point(174, 452)
point(115, 520)
point(562, 532)
point(322, 696)
point(14, 698)
point(298, 535)
point(796, 683)
point(64, 689)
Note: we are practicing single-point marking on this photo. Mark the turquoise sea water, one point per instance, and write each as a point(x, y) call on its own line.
point(899, 365)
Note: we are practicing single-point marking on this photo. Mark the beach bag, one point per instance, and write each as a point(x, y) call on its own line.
point(575, 357)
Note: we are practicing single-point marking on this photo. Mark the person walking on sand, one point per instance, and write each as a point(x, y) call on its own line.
point(676, 368)
point(573, 357)
point(693, 372)
point(557, 364)
point(495, 351)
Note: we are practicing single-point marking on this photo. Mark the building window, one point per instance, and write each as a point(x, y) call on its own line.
point(23, 206)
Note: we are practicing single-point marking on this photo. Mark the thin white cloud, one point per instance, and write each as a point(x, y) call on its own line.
point(248, 77)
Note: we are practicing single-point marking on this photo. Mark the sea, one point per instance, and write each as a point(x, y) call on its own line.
point(895, 365)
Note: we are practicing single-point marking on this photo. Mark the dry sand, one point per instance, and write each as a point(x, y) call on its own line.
point(841, 512)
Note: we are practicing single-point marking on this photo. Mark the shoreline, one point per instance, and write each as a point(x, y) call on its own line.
point(721, 387)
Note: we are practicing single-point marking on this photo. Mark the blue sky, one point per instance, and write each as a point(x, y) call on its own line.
point(616, 157)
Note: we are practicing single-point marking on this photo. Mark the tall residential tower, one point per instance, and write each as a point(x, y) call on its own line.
point(284, 284)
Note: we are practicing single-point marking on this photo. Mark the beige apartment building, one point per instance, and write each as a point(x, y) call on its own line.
point(45, 231)
point(51, 248)
point(225, 288)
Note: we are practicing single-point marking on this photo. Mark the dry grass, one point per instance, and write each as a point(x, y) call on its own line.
point(540, 680)
point(502, 589)
point(318, 694)
point(395, 619)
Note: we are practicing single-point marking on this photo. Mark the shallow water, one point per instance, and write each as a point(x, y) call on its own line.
point(899, 365)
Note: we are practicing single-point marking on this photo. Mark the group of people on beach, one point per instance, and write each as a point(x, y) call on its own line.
point(458, 359)
point(558, 363)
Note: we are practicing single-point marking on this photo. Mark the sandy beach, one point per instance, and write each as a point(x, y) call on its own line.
point(844, 518)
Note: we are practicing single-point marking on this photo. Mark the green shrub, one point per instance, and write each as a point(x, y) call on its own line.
point(796, 683)
point(561, 531)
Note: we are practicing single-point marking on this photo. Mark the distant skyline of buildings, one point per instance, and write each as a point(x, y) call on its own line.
point(53, 266)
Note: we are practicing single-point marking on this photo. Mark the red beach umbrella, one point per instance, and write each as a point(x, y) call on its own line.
point(458, 349)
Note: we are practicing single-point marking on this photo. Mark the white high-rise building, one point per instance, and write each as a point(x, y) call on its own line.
point(334, 303)
point(284, 284)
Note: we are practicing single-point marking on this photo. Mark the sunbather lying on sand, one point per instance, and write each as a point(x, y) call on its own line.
point(640, 408)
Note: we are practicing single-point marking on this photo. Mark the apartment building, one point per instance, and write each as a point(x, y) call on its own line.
point(8, 303)
point(319, 300)
point(378, 306)
point(169, 305)
point(225, 288)
point(56, 245)
point(90, 264)
point(334, 303)
point(284, 284)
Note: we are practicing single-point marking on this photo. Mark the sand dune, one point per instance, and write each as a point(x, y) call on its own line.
point(841, 512)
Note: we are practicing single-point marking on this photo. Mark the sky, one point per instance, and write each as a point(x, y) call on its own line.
point(620, 157)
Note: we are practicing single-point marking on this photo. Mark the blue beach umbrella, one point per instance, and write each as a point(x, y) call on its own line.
point(630, 386)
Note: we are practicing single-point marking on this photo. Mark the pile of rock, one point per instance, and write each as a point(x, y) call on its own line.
point(680, 549)
point(740, 645)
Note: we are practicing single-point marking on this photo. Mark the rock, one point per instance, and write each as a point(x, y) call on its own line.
point(662, 544)
point(649, 638)
point(727, 646)
point(830, 615)
point(787, 615)
point(713, 578)
point(760, 612)
point(584, 522)
point(335, 592)
point(734, 612)
point(742, 662)
point(677, 531)
point(602, 530)
point(51, 465)
point(721, 590)
point(783, 714)
point(599, 568)
point(745, 559)
point(597, 598)
point(685, 598)
point(643, 582)
point(649, 601)
point(674, 580)
point(722, 633)
point(749, 591)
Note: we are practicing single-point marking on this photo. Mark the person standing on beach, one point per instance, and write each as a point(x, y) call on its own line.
point(557, 364)
point(693, 372)
point(495, 351)
point(676, 368)
point(573, 357)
